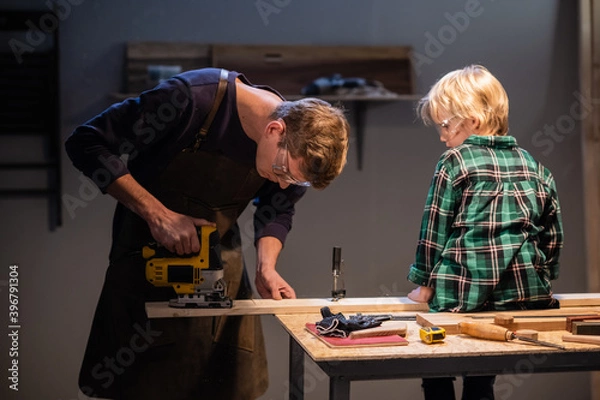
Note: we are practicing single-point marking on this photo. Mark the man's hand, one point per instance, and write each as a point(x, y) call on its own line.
point(422, 294)
point(268, 282)
point(270, 285)
point(177, 232)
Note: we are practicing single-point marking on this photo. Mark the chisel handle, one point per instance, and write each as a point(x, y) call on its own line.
point(485, 331)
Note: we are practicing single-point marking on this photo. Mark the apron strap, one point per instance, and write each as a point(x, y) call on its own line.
point(221, 88)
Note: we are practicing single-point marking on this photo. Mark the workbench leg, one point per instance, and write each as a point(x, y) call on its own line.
point(339, 388)
point(296, 370)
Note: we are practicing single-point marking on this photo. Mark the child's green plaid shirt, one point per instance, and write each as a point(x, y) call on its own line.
point(491, 231)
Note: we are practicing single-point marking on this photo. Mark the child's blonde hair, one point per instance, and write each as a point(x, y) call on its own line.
point(471, 92)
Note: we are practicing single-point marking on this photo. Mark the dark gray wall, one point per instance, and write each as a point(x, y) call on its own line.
point(374, 214)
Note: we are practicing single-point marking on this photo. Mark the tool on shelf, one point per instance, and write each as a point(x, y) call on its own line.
point(494, 332)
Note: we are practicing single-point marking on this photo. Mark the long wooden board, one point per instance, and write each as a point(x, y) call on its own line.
point(373, 305)
point(578, 299)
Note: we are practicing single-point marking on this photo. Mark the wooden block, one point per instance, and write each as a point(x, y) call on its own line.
point(528, 333)
point(385, 329)
point(376, 341)
point(537, 323)
point(572, 319)
point(503, 319)
point(585, 328)
point(448, 321)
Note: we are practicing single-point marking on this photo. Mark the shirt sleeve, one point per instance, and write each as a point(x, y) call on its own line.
point(132, 127)
point(552, 236)
point(436, 225)
point(275, 208)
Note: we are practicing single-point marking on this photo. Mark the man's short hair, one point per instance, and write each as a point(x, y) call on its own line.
point(318, 134)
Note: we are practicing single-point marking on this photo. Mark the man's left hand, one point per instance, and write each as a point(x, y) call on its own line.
point(270, 285)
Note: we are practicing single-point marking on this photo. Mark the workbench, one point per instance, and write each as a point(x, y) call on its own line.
point(458, 355)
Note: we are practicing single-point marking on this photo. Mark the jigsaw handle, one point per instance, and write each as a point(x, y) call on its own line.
point(485, 331)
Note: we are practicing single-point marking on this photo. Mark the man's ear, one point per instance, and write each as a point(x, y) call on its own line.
point(276, 128)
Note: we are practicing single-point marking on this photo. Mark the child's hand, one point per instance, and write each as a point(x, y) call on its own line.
point(422, 294)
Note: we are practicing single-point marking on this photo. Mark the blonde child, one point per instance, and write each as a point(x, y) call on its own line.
point(491, 230)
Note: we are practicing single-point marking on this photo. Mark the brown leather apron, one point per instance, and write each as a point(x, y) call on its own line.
point(131, 357)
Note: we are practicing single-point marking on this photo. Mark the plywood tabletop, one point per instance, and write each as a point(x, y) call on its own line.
point(453, 345)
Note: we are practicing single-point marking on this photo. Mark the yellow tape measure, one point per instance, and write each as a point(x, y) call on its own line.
point(432, 334)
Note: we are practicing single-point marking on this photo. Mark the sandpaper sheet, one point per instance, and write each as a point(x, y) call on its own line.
point(391, 340)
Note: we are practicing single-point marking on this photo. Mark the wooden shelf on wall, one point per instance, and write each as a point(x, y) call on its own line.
point(329, 98)
point(286, 68)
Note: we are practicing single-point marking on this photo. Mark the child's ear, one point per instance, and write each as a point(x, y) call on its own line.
point(475, 124)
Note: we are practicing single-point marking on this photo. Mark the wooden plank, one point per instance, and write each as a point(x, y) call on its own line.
point(289, 68)
point(451, 324)
point(578, 299)
point(373, 305)
point(541, 320)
